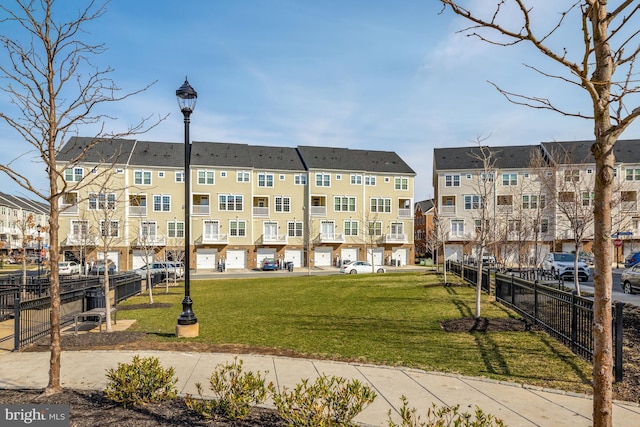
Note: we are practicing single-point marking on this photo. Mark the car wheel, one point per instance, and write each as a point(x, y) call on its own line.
point(627, 288)
point(380, 270)
point(353, 272)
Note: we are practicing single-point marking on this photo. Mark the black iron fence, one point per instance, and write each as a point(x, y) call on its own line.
point(561, 313)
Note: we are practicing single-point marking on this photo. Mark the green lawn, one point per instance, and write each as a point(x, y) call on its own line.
point(389, 319)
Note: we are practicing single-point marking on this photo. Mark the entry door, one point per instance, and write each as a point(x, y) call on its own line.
point(327, 229)
point(271, 231)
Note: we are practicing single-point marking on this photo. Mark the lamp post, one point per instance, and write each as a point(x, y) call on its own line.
point(39, 227)
point(187, 322)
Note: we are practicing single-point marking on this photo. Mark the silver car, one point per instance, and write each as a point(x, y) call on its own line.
point(631, 279)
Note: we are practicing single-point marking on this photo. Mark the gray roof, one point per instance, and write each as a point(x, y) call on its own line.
point(464, 158)
point(162, 154)
point(329, 158)
point(110, 151)
point(579, 152)
point(245, 156)
point(426, 205)
point(18, 202)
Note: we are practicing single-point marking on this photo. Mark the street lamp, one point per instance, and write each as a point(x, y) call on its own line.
point(39, 227)
point(187, 322)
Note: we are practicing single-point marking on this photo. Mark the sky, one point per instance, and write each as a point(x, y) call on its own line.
point(359, 74)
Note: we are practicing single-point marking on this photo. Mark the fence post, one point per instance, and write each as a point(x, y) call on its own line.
point(535, 302)
point(512, 291)
point(618, 350)
point(574, 320)
point(16, 323)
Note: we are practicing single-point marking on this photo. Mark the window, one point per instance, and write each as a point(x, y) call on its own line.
point(350, 228)
point(505, 200)
point(509, 179)
point(452, 180)
point(281, 177)
point(401, 183)
point(283, 204)
point(468, 176)
point(542, 226)
point(381, 205)
point(375, 228)
point(238, 228)
point(514, 226)
point(175, 229)
point(265, 180)
point(533, 201)
point(490, 177)
point(179, 176)
point(147, 232)
point(80, 228)
point(141, 177)
point(588, 198)
point(323, 180)
point(230, 202)
point(370, 180)
point(109, 228)
point(300, 179)
point(161, 203)
point(102, 201)
point(457, 227)
point(572, 175)
point(356, 179)
point(211, 229)
point(223, 174)
point(473, 202)
point(73, 175)
point(338, 177)
point(344, 204)
point(632, 174)
point(242, 176)
point(160, 174)
point(566, 197)
point(294, 229)
point(206, 177)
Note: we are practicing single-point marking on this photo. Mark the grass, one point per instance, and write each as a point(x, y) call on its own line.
point(391, 319)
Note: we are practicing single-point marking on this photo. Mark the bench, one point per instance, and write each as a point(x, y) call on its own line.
point(99, 313)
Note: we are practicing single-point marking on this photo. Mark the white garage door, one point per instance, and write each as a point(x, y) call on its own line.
point(206, 259)
point(236, 258)
point(140, 259)
point(349, 254)
point(293, 255)
point(113, 256)
point(378, 256)
point(400, 254)
point(322, 257)
point(265, 253)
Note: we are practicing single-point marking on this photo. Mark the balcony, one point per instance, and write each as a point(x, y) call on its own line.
point(215, 239)
point(448, 210)
point(630, 206)
point(200, 210)
point(318, 210)
point(137, 211)
point(505, 209)
point(68, 209)
point(261, 211)
point(150, 241)
point(81, 240)
point(270, 239)
point(331, 238)
point(395, 238)
point(405, 213)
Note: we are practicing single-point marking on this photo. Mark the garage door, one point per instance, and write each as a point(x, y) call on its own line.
point(378, 255)
point(263, 253)
point(349, 254)
point(236, 259)
point(293, 255)
point(113, 256)
point(140, 259)
point(400, 255)
point(322, 257)
point(206, 259)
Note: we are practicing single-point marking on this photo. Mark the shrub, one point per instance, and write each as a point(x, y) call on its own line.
point(140, 382)
point(329, 402)
point(235, 392)
point(445, 416)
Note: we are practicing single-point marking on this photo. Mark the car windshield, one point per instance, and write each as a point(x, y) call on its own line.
point(564, 257)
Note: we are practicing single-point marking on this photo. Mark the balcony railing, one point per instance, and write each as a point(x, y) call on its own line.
point(81, 240)
point(148, 241)
point(261, 211)
point(68, 209)
point(629, 206)
point(200, 209)
point(331, 238)
point(280, 239)
point(505, 209)
point(395, 238)
point(137, 211)
point(405, 213)
point(318, 210)
point(448, 210)
point(215, 238)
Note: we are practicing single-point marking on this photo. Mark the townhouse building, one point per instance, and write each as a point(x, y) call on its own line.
point(311, 206)
point(534, 198)
point(23, 227)
point(423, 227)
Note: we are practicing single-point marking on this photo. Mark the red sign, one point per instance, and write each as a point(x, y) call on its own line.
point(617, 243)
point(42, 253)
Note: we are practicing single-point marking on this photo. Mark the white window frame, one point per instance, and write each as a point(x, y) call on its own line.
point(206, 177)
point(230, 202)
point(243, 176)
point(144, 177)
point(174, 230)
point(237, 228)
point(164, 202)
point(323, 179)
point(265, 180)
point(282, 204)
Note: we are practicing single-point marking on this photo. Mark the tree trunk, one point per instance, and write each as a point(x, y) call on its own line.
point(54, 386)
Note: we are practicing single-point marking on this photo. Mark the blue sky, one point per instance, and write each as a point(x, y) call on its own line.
point(376, 74)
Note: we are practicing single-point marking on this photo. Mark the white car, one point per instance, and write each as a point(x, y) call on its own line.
point(154, 267)
point(561, 264)
point(68, 268)
point(361, 267)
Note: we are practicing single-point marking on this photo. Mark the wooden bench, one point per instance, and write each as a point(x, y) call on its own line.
point(99, 313)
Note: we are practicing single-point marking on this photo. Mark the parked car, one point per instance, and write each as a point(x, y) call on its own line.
point(562, 264)
point(631, 279)
point(632, 259)
point(361, 267)
point(152, 268)
point(174, 268)
point(269, 264)
point(68, 268)
point(587, 257)
point(99, 266)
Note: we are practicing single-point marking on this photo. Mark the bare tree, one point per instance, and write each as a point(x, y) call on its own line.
point(55, 89)
point(25, 228)
point(603, 67)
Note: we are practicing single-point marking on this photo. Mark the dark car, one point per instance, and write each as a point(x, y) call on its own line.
point(269, 264)
point(98, 267)
point(632, 259)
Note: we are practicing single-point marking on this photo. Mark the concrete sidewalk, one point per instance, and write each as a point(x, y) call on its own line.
point(514, 404)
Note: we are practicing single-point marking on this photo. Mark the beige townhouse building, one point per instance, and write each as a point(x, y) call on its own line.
point(539, 199)
point(23, 228)
point(311, 206)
